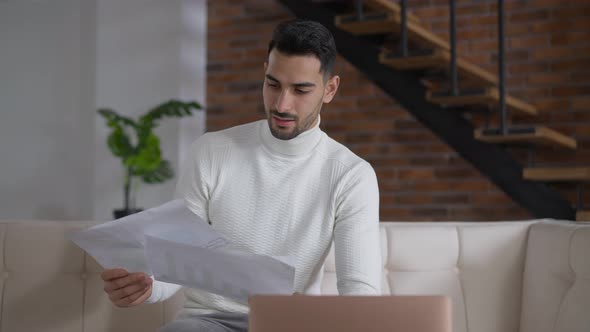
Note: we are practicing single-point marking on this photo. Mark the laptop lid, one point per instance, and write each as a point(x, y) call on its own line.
point(272, 313)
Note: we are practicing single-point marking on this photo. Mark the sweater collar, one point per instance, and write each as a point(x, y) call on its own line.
point(298, 146)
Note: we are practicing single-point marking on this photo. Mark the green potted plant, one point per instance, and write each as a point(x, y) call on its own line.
point(138, 147)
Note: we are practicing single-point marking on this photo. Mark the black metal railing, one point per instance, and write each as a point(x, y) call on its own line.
point(404, 29)
point(453, 38)
point(360, 14)
point(501, 69)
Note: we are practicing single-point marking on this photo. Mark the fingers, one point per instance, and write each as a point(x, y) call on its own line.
point(135, 298)
point(108, 275)
point(121, 282)
point(130, 290)
point(126, 289)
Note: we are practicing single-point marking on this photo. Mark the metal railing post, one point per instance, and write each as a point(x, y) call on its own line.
point(531, 155)
point(453, 37)
point(580, 205)
point(502, 69)
point(404, 29)
point(360, 15)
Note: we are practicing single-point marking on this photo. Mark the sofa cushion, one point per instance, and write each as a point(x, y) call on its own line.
point(3, 272)
point(556, 294)
point(491, 270)
point(101, 315)
point(38, 302)
point(48, 284)
point(40, 247)
point(42, 288)
point(479, 265)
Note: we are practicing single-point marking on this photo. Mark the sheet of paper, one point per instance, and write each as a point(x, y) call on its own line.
point(226, 272)
point(121, 243)
point(175, 245)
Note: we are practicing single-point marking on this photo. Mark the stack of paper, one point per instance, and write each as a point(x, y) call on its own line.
point(176, 246)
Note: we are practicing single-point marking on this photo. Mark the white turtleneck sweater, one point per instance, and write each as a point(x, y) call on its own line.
point(284, 198)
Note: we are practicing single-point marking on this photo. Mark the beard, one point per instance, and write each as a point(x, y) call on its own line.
point(283, 133)
point(301, 124)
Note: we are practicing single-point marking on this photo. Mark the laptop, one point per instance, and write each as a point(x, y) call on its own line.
point(280, 313)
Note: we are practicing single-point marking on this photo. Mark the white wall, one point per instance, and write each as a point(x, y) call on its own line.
point(60, 60)
point(45, 125)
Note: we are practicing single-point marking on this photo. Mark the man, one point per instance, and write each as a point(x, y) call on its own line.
point(278, 186)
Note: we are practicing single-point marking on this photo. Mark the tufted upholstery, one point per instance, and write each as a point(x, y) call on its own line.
point(556, 294)
point(48, 284)
point(531, 276)
point(481, 266)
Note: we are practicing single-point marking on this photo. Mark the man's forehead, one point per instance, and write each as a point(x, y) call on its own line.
point(293, 68)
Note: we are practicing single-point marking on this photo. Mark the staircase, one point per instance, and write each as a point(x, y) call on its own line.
point(562, 174)
point(406, 74)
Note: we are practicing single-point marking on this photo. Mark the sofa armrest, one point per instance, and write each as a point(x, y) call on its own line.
point(556, 290)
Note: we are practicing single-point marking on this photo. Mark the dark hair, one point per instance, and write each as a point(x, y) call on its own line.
point(301, 37)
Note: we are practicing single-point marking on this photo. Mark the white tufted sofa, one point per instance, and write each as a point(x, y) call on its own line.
point(531, 276)
point(50, 285)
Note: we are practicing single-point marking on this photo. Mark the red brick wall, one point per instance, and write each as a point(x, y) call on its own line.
point(420, 178)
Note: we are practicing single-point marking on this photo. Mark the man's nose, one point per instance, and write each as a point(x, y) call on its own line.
point(284, 102)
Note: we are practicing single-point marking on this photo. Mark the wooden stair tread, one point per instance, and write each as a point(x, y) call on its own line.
point(583, 216)
point(387, 24)
point(438, 59)
point(557, 174)
point(391, 22)
point(581, 104)
point(434, 60)
point(488, 96)
point(392, 7)
point(541, 135)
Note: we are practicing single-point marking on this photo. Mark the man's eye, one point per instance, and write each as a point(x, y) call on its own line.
point(301, 92)
point(272, 85)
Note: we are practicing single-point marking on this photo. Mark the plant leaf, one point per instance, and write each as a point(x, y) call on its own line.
point(170, 108)
point(147, 158)
point(113, 118)
point(119, 143)
point(160, 174)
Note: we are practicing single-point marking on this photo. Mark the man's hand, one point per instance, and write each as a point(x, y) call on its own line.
point(126, 289)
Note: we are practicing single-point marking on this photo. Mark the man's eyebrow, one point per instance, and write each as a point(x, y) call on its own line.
point(297, 85)
point(304, 85)
point(271, 78)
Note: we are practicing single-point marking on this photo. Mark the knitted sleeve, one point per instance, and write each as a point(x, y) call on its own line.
point(161, 291)
point(356, 233)
point(193, 182)
point(192, 185)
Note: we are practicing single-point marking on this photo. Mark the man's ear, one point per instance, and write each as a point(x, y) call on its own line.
point(331, 88)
